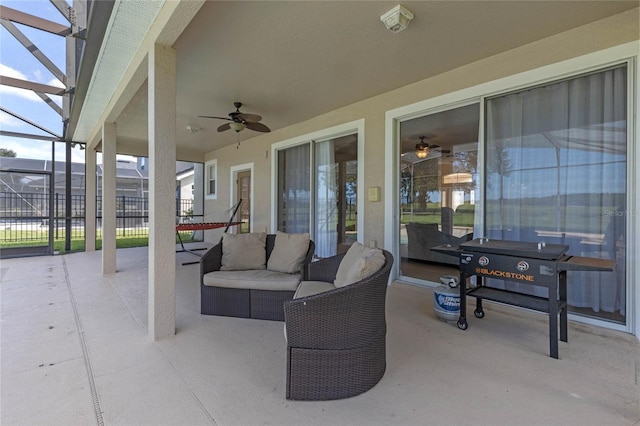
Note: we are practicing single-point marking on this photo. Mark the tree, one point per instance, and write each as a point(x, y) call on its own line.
point(6, 152)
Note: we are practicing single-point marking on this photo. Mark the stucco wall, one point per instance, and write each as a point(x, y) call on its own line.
point(619, 29)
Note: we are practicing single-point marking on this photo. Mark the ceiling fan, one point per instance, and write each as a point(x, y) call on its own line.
point(423, 149)
point(240, 120)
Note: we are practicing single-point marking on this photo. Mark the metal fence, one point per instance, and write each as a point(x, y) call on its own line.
point(24, 217)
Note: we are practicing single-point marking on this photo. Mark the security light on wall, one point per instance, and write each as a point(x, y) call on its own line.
point(397, 19)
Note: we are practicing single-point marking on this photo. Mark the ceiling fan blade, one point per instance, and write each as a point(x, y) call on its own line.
point(249, 117)
point(258, 127)
point(225, 126)
point(434, 146)
point(219, 118)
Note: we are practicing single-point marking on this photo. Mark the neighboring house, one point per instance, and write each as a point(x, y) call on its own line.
point(131, 177)
point(527, 97)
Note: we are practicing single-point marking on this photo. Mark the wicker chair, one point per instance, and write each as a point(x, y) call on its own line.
point(336, 339)
point(244, 303)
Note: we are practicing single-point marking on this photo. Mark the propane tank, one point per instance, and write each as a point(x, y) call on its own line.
point(447, 299)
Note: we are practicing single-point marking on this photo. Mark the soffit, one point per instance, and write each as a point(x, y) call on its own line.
point(129, 23)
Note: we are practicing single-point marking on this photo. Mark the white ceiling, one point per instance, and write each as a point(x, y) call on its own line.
point(291, 61)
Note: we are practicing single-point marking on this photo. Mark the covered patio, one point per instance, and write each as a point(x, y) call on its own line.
point(75, 350)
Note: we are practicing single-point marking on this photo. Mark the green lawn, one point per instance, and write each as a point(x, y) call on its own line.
point(11, 239)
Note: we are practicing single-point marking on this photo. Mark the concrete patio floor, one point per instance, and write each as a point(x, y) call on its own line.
point(75, 351)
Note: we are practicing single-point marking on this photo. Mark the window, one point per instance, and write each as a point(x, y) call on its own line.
point(211, 179)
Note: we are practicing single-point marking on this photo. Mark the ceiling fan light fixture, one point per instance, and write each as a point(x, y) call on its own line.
point(238, 127)
point(422, 151)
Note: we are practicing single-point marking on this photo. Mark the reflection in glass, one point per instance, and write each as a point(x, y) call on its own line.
point(437, 191)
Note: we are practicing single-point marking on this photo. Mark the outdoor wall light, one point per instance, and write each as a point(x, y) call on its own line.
point(397, 19)
point(192, 129)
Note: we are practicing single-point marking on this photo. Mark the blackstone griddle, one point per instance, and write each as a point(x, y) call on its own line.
point(538, 264)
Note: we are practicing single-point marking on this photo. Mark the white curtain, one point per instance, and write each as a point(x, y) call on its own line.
point(294, 189)
point(326, 201)
point(556, 172)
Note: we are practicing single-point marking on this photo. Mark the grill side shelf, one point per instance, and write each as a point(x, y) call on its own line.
point(578, 263)
point(536, 303)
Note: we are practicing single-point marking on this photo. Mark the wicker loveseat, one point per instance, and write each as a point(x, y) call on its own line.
point(251, 293)
point(336, 338)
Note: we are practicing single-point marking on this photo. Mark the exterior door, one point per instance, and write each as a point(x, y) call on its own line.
point(244, 193)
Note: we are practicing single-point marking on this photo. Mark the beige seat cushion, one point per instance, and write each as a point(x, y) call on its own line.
point(242, 252)
point(255, 279)
point(289, 251)
point(359, 262)
point(309, 288)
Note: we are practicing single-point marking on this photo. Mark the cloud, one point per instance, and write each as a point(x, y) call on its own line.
point(11, 72)
point(9, 121)
point(24, 93)
point(56, 83)
point(16, 91)
point(24, 148)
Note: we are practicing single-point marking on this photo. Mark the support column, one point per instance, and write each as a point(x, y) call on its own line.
point(162, 187)
point(90, 200)
point(109, 198)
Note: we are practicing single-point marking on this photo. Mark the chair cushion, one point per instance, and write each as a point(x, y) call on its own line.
point(358, 263)
point(289, 251)
point(242, 252)
point(255, 279)
point(309, 288)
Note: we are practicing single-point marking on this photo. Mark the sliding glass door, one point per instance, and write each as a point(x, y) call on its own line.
point(556, 161)
point(321, 199)
point(438, 187)
point(554, 169)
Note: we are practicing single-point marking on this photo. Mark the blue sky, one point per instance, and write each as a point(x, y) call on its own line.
point(17, 62)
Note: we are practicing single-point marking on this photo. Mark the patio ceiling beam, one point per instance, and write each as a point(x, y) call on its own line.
point(33, 21)
point(54, 106)
point(30, 85)
point(28, 136)
point(26, 120)
point(35, 51)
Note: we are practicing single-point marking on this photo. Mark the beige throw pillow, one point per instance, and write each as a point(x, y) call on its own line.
point(241, 252)
point(358, 263)
point(289, 252)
